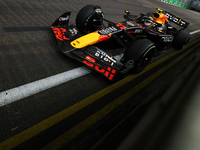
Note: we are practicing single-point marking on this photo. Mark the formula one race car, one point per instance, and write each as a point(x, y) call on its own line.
point(142, 37)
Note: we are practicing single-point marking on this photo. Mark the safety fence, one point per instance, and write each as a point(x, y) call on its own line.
point(189, 4)
point(178, 3)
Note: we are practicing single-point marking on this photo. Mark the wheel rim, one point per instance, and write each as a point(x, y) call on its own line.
point(146, 58)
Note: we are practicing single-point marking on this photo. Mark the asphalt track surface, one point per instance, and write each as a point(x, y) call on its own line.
point(49, 101)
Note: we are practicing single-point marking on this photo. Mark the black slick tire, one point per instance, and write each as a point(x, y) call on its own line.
point(181, 39)
point(85, 17)
point(138, 55)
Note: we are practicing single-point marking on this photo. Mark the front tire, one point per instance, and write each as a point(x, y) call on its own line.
point(89, 18)
point(138, 55)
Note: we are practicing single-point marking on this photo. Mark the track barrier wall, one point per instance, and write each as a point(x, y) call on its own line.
point(188, 4)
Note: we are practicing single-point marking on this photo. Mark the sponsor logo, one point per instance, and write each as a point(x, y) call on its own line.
point(128, 65)
point(107, 30)
point(138, 30)
point(60, 33)
point(130, 23)
point(73, 31)
point(167, 39)
point(105, 57)
point(121, 26)
point(64, 18)
point(175, 19)
point(98, 11)
point(108, 72)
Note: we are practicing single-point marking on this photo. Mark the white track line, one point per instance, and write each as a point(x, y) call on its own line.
point(195, 32)
point(29, 89)
point(15, 94)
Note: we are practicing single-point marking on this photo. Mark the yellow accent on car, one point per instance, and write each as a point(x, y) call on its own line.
point(160, 10)
point(86, 40)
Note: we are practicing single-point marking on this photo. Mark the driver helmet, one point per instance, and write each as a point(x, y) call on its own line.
point(148, 22)
point(160, 18)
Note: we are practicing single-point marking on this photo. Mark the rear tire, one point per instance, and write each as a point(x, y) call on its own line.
point(138, 55)
point(88, 18)
point(181, 39)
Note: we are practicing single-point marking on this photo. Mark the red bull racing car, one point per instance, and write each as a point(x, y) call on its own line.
point(141, 36)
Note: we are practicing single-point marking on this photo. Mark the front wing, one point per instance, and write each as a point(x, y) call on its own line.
point(97, 60)
point(91, 56)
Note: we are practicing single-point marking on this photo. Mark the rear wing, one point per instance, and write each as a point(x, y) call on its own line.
point(174, 19)
point(177, 20)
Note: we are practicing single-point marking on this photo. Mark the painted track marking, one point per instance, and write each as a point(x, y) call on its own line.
point(194, 32)
point(32, 88)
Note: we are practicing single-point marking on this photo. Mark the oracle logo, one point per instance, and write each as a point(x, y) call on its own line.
point(64, 18)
